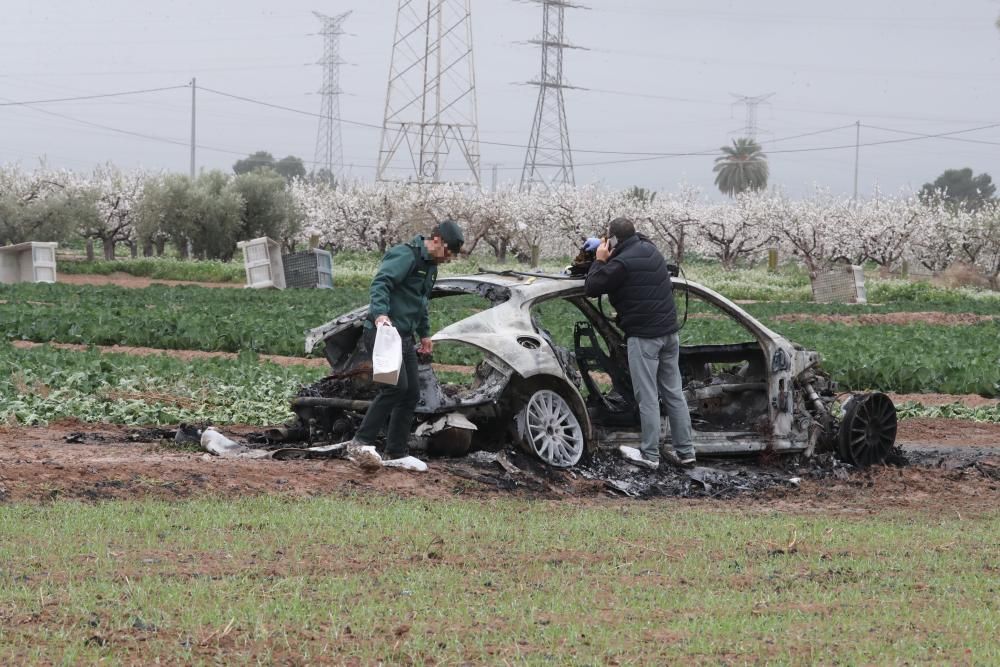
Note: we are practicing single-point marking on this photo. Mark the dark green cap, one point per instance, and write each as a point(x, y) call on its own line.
point(451, 234)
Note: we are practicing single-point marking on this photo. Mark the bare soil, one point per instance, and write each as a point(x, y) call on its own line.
point(953, 464)
point(939, 319)
point(184, 355)
point(128, 280)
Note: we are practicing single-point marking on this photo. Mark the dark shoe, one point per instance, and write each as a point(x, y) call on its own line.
point(685, 461)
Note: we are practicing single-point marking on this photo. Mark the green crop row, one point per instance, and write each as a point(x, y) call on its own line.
point(43, 384)
point(912, 358)
point(354, 270)
point(161, 268)
point(907, 358)
point(983, 413)
point(184, 317)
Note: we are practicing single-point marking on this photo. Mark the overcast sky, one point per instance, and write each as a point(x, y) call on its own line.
point(658, 78)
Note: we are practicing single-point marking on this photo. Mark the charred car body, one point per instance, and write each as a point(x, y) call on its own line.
point(562, 399)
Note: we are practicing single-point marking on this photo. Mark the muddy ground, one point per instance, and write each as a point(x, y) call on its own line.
point(948, 464)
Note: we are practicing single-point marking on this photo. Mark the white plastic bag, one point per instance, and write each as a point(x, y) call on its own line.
point(387, 355)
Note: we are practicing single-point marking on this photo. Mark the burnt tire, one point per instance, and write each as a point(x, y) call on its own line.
point(450, 442)
point(868, 430)
point(547, 427)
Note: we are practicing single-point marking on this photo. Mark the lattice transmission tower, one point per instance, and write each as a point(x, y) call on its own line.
point(430, 133)
point(329, 153)
point(750, 129)
point(549, 159)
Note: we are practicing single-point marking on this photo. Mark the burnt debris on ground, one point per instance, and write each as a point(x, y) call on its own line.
point(607, 473)
point(354, 384)
point(711, 478)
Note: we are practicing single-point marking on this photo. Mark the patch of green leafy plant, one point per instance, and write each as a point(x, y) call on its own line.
point(907, 358)
point(983, 413)
point(43, 384)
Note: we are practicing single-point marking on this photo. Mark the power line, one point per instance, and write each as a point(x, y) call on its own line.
point(632, 156)
point(931, 136)
point(281, 107)
point(160, 139)
point(80, 98)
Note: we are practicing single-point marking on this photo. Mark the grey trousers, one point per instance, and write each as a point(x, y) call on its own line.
point(653, 364)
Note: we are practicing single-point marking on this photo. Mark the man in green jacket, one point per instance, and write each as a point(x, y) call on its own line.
point(399, 295)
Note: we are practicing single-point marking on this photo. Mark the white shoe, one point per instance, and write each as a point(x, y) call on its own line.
point(406, 463)
point(633, 455)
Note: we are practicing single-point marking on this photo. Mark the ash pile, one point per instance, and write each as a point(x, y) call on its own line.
point(353, 384)
point(720, 478)
point(607, 471)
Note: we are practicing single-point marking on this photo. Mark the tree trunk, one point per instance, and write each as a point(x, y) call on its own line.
point(160, 243)
point(536, 252)
point(184, 250)
point(90, 250)
point(133, 249)
point(502, 255)
point(109, 249)
point(147, 248)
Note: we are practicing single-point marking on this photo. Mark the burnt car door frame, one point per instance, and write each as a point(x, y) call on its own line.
point(775, 351)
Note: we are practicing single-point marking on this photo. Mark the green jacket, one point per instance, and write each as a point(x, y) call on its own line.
point(402, 287)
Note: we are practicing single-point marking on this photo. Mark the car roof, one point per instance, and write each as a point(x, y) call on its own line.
point(523, 286)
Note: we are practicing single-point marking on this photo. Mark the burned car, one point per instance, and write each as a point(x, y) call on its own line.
point(545, 366)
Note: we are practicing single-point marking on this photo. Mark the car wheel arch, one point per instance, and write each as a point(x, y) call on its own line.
point(520, 388)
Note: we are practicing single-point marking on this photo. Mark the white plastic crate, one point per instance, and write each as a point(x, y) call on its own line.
point(841, 284)
point(32, 262)
point(309, 269)
point(262, 262)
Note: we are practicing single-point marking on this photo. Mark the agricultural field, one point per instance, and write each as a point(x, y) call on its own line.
point(118, 544)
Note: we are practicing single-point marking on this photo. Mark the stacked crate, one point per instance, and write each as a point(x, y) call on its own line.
point(262, 262)
point(32, 262)
point(841, 284)
point(309, 269)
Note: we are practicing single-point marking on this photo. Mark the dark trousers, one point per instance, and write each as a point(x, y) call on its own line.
point(395, 403)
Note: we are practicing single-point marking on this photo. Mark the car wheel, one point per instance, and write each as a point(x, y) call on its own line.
point(868, 430)
point(548, 428)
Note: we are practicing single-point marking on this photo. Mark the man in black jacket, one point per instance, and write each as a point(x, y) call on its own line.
point(632, 272)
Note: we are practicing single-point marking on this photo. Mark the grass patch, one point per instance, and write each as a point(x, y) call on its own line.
point(268, 580)
point(162, 268)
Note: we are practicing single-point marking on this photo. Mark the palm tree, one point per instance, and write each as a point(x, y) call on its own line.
point(741, 167)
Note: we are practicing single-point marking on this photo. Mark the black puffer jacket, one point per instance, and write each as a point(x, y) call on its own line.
point(637, 283)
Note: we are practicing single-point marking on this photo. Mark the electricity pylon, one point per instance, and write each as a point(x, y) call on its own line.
point(430, 133)
point(750, 129)
point(329, 146)
point(549, 159)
